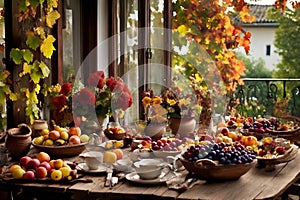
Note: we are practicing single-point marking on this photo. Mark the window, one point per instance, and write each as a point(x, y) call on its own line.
point(138, 26)
point(268, 50)
point(126, 34)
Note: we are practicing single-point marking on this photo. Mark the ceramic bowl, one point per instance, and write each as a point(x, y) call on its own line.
point(148, 163)
point(147, 174)
point(123, 165)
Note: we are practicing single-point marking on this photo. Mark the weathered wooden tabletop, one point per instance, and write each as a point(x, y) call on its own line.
point(255, 184)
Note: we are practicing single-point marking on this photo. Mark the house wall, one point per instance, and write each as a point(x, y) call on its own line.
point(260, 38)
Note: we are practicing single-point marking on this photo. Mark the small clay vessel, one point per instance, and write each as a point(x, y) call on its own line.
point(18, 140)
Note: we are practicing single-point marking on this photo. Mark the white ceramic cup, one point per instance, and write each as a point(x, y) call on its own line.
point(93, 159)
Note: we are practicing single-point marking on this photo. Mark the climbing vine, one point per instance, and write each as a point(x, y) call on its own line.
point(36, 18)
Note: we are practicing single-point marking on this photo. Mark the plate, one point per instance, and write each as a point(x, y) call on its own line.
point(84, 167)
point(165, 176)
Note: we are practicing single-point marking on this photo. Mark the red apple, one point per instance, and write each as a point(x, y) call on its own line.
point(54, 135)
point(46, 165)
point(41, 172)
point(225, 131)
point(29, 175)
point(24, 161)
point(74, 139)
point(33, 163)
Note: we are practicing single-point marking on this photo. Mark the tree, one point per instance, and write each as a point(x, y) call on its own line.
point(287, 42)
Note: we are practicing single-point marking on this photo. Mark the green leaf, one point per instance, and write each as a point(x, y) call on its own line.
point(35, 3)
point(28, 56)
point(45, 69)
point(47, 47)
point(2, 97)
point(6, 89)
point(22, 5)
point(16, 55)
point(51, 18)
point(33, 41)
point(35, 76)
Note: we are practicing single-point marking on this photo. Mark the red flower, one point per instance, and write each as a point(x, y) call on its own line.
point(110, 82)
point(118, 86)
point(59, 102)
point(124, 101)
point(100, 84)
point(94, 78)
point(85, 97)
point(66, 88)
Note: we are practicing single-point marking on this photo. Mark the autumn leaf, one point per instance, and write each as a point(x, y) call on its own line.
point(52, 17)
point(34, 3)
point(47, 47)
point(52, 3)
point(45, 69)
point(40, 31)
point(27, 68)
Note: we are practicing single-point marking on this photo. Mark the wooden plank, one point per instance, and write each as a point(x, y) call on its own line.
point(256, 184)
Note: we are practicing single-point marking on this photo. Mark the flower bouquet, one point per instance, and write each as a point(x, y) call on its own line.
point(103, 97)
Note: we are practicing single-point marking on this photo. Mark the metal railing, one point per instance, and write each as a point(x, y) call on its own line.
point(266, 96)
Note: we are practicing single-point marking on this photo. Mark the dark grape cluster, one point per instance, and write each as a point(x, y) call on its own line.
point(235, 153)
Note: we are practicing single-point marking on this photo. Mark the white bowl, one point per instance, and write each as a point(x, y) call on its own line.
point(148, 162)
point(148, 174)
point(123, 165)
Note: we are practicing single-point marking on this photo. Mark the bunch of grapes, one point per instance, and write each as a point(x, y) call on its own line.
point(223, 153)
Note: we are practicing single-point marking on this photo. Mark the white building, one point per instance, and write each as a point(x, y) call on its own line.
point(262, 36)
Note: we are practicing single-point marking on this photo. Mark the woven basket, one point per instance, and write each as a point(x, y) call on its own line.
point(209, 170)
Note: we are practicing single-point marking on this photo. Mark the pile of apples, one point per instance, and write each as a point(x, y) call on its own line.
point(61, 136)
point(42, 167)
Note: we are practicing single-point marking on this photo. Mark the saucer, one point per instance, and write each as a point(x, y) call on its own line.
point(165, 176)
point(84, 167)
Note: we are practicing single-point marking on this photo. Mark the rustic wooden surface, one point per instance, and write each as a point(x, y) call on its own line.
point(256, 184)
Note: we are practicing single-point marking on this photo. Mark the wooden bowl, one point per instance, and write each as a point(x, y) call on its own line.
point(62, 151)
point(113, 136)
point(209, 170)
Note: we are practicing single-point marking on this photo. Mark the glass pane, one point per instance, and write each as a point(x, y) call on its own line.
point(156, 40)
point(128, 53)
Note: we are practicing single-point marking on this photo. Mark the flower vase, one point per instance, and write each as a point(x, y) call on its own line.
point(155, 130)
point(182, 126)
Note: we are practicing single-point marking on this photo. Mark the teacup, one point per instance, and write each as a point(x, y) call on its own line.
point(93, 159)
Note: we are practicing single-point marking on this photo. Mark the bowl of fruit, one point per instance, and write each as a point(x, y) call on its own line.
point(218, 161)
point(165, 147)
point(114, 131)
point(61, 142)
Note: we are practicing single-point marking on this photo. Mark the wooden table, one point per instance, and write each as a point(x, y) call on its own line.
point(256, 184)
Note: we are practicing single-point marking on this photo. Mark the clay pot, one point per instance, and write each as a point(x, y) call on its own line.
point(18, 140)
point(155, 131)
point(38, 126)
point(182, 126)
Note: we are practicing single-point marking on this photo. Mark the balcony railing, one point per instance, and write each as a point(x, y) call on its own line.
point(267, 96)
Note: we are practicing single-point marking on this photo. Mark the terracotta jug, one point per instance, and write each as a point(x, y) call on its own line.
point(18, 140)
